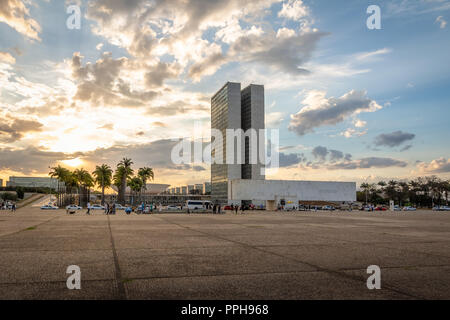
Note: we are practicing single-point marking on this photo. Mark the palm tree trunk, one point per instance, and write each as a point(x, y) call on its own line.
point(103, 195)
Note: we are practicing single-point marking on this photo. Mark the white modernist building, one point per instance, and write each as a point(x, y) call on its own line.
point(233, 108)
point(270, 193)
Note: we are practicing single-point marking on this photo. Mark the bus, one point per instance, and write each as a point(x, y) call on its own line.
point(196, 204)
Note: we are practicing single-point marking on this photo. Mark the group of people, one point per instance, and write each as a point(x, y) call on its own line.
point(8, 206)
point(110, 208)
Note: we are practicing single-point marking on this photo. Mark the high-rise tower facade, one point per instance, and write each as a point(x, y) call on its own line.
point(234, 109)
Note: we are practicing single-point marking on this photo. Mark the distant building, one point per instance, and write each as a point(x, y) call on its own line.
point(190, 188)
point(1, 183)
point(199, 187)
point(33, 182)
point(150, 189)
point(184, 190)
point(206, 187)
point(177, 190)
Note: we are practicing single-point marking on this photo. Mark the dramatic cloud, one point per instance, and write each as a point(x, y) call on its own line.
point(393, 139)
point(104, 82)
point(14, 130)
point(321, 111)
point(29, 160)
point(441, 165)
point(16, 14)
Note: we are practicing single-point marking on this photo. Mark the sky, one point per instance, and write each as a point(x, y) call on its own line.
point(351, 103)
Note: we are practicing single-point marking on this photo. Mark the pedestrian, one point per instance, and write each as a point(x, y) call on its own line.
point(236, 208)
point(219, 209)
point(113, 208)
point(13, 208)
point(88, 208)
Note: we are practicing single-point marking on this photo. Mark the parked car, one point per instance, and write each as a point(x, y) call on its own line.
point(173, 208)
point(380, 208)
point(328, 208)
point(73, 207)
point(120, 207)
point(97, 207)
point(441, 208)
point(227, 208)
point(408, 208)
point(49, 207)
point(397, 208)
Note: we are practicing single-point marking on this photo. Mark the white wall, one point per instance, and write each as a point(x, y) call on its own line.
point(284, 189)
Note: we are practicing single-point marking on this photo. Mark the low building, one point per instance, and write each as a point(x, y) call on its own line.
point(206, 187)
point(33, 182)
point(184, 190)
point(1, 183)
point(272, 193)
point(199, 187)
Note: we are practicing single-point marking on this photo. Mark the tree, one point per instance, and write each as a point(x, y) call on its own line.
point(122, 174)
point(103, 178)
point(145, 174)
point(62, 175)
point(136, 185)
point(84, 181)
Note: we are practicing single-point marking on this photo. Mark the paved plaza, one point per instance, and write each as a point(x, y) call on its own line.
point(259, 255)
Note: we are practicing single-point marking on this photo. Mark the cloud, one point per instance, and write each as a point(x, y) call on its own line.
point(16, 14)
point(288, 160)
point(320, 152)
point(29, 160)
point(321, 111)
point(105, 82)
point(274, 119)
point(350, 132)
point(393, 139)
point(294, 10)
point(441, 21)
point(7, 58)
point(288, 53)
point(372, 54)
point(367, 163)
point(159, 73)
point(14, 130)
point(441, 165)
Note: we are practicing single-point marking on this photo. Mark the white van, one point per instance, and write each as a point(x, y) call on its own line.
point(194, 204)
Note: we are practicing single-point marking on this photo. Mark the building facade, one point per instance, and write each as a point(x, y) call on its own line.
point(33, 182)
point(244, 182)
point(236, 109)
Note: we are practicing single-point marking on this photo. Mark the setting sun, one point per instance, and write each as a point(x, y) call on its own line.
point(73, 162)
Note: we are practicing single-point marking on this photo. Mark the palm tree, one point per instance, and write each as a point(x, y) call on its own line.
point(123, 173)
point(61, 174)
point(365, 187)
point(144, 174)
point(84, 181)
point(103, 178)
point(136, 185)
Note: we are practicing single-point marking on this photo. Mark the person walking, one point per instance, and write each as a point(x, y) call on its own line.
point(13, 208)
point(236, 208)
point(88, 208)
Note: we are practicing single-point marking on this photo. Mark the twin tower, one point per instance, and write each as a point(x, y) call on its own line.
point(233, 108)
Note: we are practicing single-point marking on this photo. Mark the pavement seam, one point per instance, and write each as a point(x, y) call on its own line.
point(119, 281)
point(26, 229)
point(318, 268)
